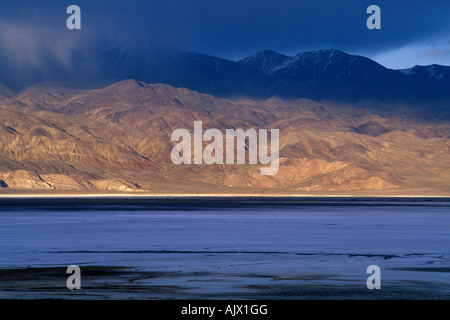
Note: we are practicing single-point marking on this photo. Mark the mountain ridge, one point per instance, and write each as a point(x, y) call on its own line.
point(327, 74)
point(118, 138)
point(334, 74)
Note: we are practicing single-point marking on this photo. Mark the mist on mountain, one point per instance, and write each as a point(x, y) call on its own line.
point(320, 75)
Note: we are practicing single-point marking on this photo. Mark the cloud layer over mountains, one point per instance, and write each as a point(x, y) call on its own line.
point(37, 46)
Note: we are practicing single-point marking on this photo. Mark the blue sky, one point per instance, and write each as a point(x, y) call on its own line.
point(413, 31)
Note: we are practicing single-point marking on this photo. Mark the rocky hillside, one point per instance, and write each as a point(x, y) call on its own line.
point(118, 138)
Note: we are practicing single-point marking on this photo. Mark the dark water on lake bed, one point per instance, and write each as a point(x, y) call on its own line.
point(224, 249)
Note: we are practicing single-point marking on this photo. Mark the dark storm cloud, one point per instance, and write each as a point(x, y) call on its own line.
point(33, 34)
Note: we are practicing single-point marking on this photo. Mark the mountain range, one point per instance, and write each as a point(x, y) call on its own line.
point(319, 75)
point(117, 138)
point(347, 124)
point(336, 75)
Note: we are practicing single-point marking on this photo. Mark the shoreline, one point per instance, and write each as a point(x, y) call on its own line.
point(232, 197)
